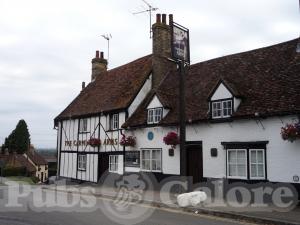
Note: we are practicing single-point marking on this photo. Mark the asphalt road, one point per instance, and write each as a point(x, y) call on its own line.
point(100, 215)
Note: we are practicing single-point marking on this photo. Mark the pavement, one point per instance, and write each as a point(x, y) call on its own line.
point(164, 200)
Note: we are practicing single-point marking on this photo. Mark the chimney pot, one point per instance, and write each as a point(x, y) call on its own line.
point(97, 54)
point(102, 55)
point(83, 85)
point(158, 18)
point(170, 19)
point(164, 16)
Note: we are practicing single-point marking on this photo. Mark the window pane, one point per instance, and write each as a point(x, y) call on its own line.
point(153, 164)
point(253, 170)
point(260, 157)
point(232, 156)
point(241, 170)
point(232, 170)
point(253, 156)
point(241, 156)
point(150, 116)
point(145, 154)
point(260, 172)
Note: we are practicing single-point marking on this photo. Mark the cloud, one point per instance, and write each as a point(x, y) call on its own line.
point(46, 47)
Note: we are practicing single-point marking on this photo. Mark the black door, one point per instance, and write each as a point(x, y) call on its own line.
point(103, 162)
point(194, 162)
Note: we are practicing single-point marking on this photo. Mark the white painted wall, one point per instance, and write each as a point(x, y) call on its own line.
point(170, 164)
point(155, 103)
point(283, 157)
point(141, 95)
point(221, 92)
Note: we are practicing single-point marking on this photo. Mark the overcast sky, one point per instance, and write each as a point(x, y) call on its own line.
point(46, 47)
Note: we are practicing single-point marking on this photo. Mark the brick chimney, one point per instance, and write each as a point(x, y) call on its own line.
point(161, 48)
point(99, 65)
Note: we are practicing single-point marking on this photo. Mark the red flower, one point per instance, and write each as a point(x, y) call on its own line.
point(291, 132)
point(171, 139)
point(128, 141)
point(94, 142)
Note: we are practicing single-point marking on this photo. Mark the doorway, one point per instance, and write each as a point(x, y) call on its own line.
point(194, 161)
point(103, 162)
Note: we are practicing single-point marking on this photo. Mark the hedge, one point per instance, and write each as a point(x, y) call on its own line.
point(35, 179)
point(14, 171)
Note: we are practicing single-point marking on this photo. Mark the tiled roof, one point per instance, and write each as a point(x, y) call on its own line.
point(24, 162)
point(267, 80)
point(113, 90)
point(36, 158)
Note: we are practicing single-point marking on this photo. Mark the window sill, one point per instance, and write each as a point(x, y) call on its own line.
point(84, 132)
point(221, 120)
point(153, 171)
point(82, 170)
point(110, 130)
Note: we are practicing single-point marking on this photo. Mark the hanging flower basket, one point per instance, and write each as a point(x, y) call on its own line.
point(172, 139)
point(291, 132)
point(94, 142)
point(128, 141)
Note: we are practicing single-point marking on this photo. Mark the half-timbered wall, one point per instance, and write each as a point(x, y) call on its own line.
point(73, 142)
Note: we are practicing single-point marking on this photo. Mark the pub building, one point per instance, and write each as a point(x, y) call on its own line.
point(241, 112)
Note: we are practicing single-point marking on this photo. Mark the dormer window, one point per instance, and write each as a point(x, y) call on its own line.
point(154, 115)
point(221, 108)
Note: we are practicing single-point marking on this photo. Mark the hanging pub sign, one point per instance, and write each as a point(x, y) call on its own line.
point(180, 43)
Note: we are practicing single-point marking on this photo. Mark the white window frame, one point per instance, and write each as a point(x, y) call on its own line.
point(113, 163)
point(246, 166)
point(83, 125)
point(221, 102)
point(151, 159)
point(256, 163)
point(82, 162)
point(114, 122)
point(154, 115)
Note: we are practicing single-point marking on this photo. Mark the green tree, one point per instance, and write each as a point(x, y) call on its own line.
point(19, 139)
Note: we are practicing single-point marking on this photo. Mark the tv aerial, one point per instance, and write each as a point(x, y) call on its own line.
point(107, 37)
point(149, 10)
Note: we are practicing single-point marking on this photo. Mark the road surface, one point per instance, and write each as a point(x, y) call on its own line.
point(98, 216)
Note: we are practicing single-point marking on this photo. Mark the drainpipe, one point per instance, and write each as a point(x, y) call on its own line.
point(123, 135)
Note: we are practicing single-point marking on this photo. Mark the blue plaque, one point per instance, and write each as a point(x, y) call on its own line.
point(150, 135)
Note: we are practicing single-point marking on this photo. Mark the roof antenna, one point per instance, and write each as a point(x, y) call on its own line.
point(107, 37)
point(150, 10)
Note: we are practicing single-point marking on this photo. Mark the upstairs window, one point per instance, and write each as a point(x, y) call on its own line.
point(114, 121)
point(154, 115)
point(221, 108)
point(83, 125)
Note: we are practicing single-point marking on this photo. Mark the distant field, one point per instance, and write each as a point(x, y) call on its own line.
point(47, 152)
